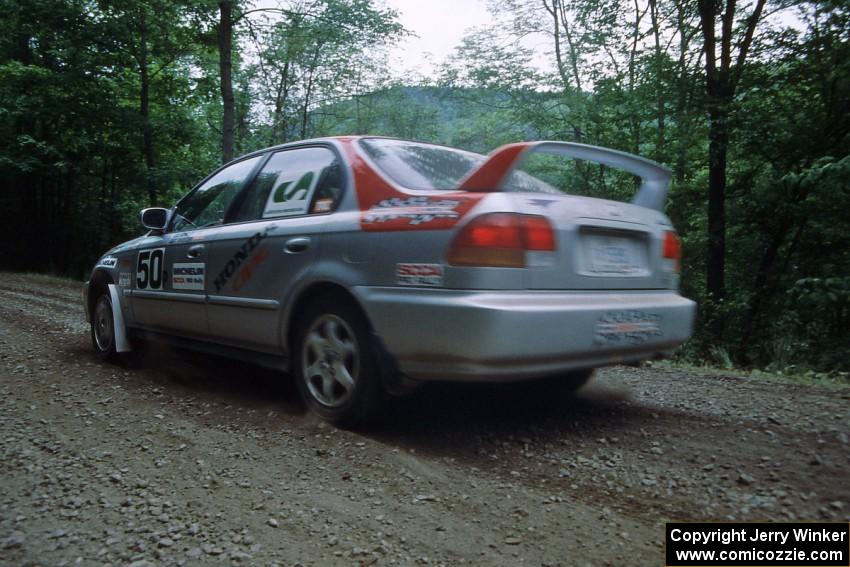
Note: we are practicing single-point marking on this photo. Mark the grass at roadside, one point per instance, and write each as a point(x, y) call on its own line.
point(45, 279)
point(790, 375)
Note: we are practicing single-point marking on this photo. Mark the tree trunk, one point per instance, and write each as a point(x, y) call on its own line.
point(25, 232)
point(559, 19)
point(225, 66)
point(634, 120)
point(145, 111)
point(721, 83)
point(761, 295)
point(308, 92)
point(716, 260)
point(280, 123)
point(718, 140)
point(660, 152)
point(683, 92)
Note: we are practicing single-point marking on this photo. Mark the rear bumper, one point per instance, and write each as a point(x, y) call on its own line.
point(508, 336)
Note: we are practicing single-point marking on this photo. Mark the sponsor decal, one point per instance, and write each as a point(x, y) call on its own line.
point(124, 279)
point(183, 237)
point(419, 274)
point(416, 210)
point(246, 272)
point(189, 276)
point(323, 205)
point(542, 203)
point(289, 198)
point(149, 268)
point(627, 327)
point(240, 257)
point(107, 262)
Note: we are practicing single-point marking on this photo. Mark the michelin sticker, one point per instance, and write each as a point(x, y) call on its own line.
point(189, 276)
point(419, 274)
point(107, 262)
point(290, 198)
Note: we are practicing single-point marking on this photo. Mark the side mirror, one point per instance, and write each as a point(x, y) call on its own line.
point(154, 218)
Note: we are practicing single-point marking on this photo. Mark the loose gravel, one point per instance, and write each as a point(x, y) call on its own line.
point(180, 459)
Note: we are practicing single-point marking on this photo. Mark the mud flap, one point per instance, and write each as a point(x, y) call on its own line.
point(395, 383)
point(121, 342)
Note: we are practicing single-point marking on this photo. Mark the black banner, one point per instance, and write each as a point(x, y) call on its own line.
point(743, 544)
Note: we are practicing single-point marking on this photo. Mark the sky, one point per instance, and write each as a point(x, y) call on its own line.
point(439, 25)
point(437, 28)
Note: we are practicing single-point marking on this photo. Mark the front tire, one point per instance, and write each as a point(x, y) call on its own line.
point(103, 329)
point(334, 362)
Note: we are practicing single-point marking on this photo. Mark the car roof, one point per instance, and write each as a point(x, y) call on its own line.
point(345, 139)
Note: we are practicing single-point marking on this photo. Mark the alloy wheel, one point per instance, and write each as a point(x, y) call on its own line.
point(330, 360)
point(104, 332)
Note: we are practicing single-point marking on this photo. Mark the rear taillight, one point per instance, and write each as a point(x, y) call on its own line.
point(501, 240)
point(538, 234)
point(671, 248)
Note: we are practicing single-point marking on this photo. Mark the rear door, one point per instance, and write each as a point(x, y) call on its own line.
point(256, 261)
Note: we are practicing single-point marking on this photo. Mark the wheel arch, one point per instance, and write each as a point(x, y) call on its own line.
point(98, 284)
point(305, 297)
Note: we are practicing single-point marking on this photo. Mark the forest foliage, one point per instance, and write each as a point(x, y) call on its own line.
point(110, 106)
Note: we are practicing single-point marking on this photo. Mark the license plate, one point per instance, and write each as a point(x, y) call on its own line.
point(612, 255)
point(627, 327)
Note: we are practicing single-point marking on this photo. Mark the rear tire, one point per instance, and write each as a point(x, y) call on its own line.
point(103, 329)
point(335, 367)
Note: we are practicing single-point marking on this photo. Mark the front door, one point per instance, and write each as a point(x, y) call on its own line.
point(171, 271)
point(168, 291)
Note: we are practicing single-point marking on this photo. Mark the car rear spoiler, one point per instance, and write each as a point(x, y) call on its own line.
point(655, 178)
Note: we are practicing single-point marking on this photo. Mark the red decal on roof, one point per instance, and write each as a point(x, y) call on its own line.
point(385, 207)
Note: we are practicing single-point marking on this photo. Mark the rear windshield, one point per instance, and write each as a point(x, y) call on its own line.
point(415, 165)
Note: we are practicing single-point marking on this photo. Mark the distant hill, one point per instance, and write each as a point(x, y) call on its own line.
point(474, 119)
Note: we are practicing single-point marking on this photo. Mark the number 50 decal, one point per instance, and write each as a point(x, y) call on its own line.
point(149, 268)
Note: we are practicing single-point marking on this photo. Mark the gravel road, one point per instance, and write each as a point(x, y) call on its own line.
point(182, 459)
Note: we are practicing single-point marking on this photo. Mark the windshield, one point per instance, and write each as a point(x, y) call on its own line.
point(419, 166)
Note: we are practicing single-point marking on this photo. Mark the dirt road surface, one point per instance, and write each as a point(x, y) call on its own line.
point(184, 459)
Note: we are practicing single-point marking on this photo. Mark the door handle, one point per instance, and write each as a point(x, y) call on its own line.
point(297, 245)
point(195, 251)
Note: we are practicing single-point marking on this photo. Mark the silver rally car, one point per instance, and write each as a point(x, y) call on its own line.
point(365, 265)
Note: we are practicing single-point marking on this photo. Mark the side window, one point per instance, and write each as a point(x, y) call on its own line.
point(300, 181)
point(207, 205)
